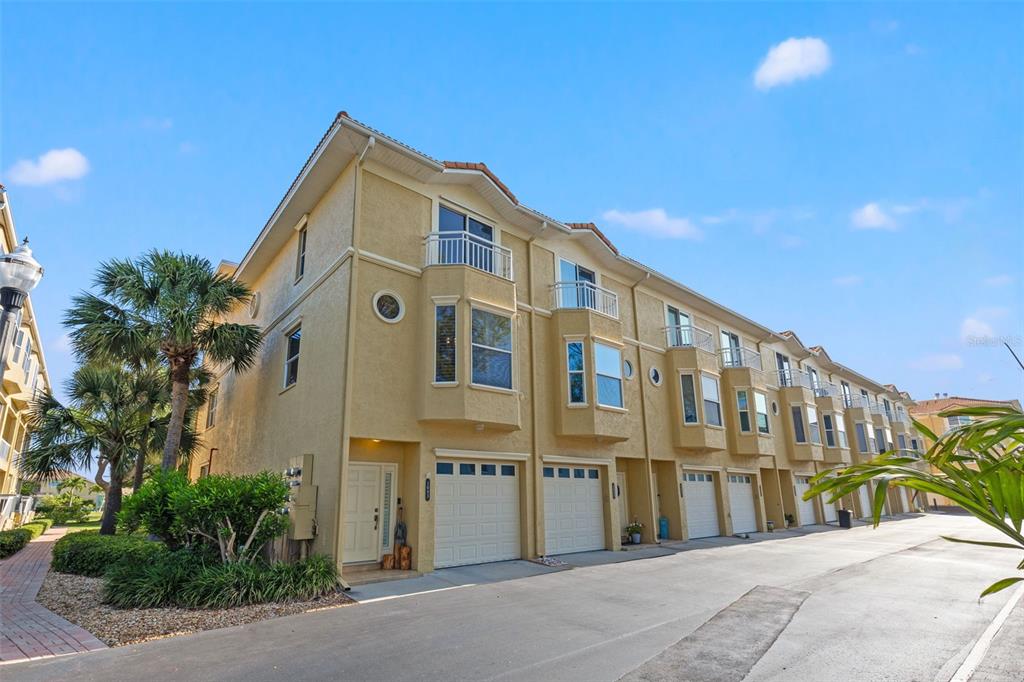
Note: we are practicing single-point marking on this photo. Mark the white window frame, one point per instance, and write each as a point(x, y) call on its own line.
point(453, 304)
point(740, 410)
point(211, 408)
point(582, 372)
point(705, 401)
point(813, 426)
point(300, 253)
point(290, 331)
point(473, 345)
point(618, 365)
point(844, 441)
point(682, 398)
point(795, 412)
point(828, 418)
point(757, 413)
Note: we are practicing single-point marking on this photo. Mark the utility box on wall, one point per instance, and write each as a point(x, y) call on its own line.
point(301, 498)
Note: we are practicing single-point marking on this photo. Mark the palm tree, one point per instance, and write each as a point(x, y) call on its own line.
point(979, 466)
point(102, 424)
point(166, 306)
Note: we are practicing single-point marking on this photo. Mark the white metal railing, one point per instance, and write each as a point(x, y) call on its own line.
point(824, 389)
point(5, 450)
point(794, 377)
point(877, 408)
point(688, 336)
point(739, 357)
point(463, 248)
point(586, 295)
point(857, 401)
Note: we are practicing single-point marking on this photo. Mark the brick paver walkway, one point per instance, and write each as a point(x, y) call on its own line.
point(27, 630)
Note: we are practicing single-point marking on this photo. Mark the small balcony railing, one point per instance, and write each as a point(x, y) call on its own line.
point(878, 408)
point(824, 389)
point(586, 295)
point(739, 357)
point(463, 248)
point(688, 336)
point(794, 377)
point(856, 401)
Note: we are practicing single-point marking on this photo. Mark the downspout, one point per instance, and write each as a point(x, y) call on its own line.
point(641, 373)
point(350, 333)
point(538, 531)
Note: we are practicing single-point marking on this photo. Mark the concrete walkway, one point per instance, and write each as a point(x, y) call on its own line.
point(27, 630)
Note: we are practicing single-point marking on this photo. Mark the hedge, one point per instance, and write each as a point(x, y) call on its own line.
point(13, 540)
point(91, 554)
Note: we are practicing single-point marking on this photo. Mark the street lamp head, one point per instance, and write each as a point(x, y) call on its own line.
point(19, 270)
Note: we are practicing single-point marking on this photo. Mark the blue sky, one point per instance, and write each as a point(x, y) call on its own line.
point(861, 184)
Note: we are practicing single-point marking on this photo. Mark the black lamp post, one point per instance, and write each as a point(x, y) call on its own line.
point(19, 274)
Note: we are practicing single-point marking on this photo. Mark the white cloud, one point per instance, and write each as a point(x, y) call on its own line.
point(655, 222)
point(973, 328)
point(53, 166)
point(792, 60)
point(938, 362)
point(872, 217)
point(998, 280)
point(848, 280)
point(62, 344)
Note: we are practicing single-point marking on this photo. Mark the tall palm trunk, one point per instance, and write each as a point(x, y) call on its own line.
point(140, 459)
point(180, 368)
point(108, 524)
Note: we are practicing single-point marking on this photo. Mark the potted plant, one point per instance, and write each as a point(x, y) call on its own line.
point(633, 530)
point(790, 520)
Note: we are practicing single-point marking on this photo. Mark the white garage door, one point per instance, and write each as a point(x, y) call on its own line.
point(573, 510)
point(476, 513)
point(807, 517)
point(701, 505)
point(741, 503)
point(831, 516)
point(865, 502)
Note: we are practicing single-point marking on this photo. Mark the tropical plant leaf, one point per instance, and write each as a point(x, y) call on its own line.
point(1000, 585)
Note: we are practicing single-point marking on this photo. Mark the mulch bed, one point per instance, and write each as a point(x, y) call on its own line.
point(77, 599)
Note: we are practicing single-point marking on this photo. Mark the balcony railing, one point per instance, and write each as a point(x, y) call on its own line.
point(739, 357)
point(463, 248)
point(794, 377)
point(688, 336)
point(824, 389)
point(878, 408)
point(586, 295)
point(856, 401)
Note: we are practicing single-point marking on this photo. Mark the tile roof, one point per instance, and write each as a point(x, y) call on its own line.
point(482, 167)
point(937, 405)
point(600, 235)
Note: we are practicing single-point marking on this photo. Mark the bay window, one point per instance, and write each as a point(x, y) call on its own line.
point(445, 353)
point(577, 377)
point(608, 367)
point(812, 424)
point(841, 431)
point(689, 399)
point(743, 409)
point(712, 400)
point(830, 436)
point(798, 425)
point(492, 349)
point(761, 406)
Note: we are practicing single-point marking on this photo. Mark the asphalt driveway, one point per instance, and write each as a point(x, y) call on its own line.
point(896, 603)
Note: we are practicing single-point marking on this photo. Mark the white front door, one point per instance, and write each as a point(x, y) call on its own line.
point(362, 513)
point(807, 516)
point(476, 517)
point(573, 509)
point(623, 502)
point(741, 503)
point(701, 504)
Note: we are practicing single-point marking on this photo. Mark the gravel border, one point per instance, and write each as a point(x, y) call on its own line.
point(77, 599)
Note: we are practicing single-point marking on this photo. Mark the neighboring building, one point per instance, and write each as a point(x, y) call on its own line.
point(508, 384)
point(23, 375)
point(929, 413)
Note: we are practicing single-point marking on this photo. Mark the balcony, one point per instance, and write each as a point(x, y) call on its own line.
point(688, 336)
point(586, 295)
point(739, 357)
point(463, 248)
point(794, 377)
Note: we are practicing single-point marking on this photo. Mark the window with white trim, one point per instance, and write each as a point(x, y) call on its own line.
point(830, 435)
point(712, 400)
point(19, 340)
point(743, 409)
point(211, 409)
point(956, 421)
point(812, 424)
point(880, 440)
point(798, 425)
point(291, 356)
point(847, 396)
point(608, 370)
point(862, 438)
point(27, 361)
point(689, 395)
point(577, 375)
point(841, 430)
point(902, 440)
point(492, 349)
point(445, 349)
point(761, 408)
point(300, 255)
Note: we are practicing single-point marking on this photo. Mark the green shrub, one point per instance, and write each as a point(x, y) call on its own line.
point(143, 586)
point(91, 554)
point(237, 515)
point(238, 584)
point(38, 526)
point(13, 540)
point(150, 507)
point(74, 513)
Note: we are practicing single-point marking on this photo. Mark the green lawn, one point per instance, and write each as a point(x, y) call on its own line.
point(92, 523)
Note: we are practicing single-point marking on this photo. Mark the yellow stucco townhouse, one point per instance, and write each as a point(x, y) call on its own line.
point(510, 385)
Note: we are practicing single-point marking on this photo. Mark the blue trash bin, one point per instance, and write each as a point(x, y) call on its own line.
point(663, 528)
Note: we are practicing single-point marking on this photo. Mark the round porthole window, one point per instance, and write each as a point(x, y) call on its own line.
point(388, 306)
point(254, 304)
point(775, 408)
point(627, 369)
point(655, 376)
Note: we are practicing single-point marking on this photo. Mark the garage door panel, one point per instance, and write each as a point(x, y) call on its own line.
point(741, 503)
point(573, 510)
point(476, 514)
point(701, 504)
point(807, 515)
